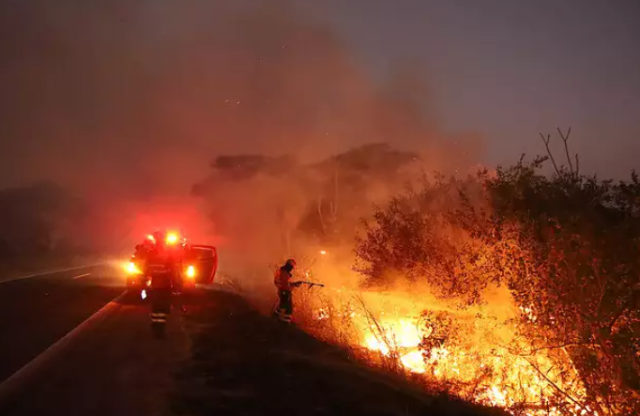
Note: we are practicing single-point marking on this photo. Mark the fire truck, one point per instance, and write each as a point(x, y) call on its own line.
point(199, 264)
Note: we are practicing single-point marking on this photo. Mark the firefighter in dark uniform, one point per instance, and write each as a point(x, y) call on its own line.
point(163, 266)
point(282, 280)
point(142, 252)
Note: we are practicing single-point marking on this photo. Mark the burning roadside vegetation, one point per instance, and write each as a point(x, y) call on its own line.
point(517, 290)
point(243, 362)
point(509, 288)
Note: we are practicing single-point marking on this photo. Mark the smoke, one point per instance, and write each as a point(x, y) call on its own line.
point(127, 103)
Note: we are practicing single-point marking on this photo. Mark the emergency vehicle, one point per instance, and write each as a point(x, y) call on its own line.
point(199, 263)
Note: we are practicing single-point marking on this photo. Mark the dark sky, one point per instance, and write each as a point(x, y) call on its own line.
point(510, 69)
point(146, 93)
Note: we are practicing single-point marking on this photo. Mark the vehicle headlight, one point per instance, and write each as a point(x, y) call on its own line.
point(191, 272)
point(132, 268)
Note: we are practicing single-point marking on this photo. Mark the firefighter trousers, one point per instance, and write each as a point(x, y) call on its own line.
point(160, 305)
point(284, 310)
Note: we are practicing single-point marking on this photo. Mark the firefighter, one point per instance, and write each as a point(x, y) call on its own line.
point(282, 280)
point(142, 252)
point(138, 264)
point(163, 267)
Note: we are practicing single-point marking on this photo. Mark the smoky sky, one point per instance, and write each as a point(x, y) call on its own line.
point(511, 69)
point(142, 95)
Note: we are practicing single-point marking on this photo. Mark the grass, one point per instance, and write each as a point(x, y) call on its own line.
point(245, 363)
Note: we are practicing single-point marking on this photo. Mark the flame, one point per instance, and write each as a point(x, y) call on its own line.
point(400, 334)
point(480, 351)
point(414, 362)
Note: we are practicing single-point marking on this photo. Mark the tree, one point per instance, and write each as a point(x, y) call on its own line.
point(254, 198)
point(566, 245)
point(348, 183)
point(321, 201)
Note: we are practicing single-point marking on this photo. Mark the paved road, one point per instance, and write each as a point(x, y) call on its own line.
point(109, 364)
point(37, 311)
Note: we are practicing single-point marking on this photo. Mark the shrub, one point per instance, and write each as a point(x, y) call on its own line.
point(566, 245)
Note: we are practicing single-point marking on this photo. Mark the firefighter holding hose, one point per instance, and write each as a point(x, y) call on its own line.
point(282, 280)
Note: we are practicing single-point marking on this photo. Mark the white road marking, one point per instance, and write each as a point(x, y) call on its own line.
point(50, 272)
point(81, 275)
point(18, 379)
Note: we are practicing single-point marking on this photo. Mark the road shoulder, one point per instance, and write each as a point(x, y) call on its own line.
point(245, 363)
point(113, 367)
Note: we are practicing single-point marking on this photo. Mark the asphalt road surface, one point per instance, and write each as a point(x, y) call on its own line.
point(37, 311)
point(73, 343)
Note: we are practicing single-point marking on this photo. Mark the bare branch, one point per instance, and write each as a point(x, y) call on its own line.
point(554, 385)
point(565, 139)
point(521, 159)
point(546, 141)
point(577, 164)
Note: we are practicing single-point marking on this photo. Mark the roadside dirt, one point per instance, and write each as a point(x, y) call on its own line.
point(243, 363)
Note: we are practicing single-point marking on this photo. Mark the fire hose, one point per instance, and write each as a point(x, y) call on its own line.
point(310, 284)
point(300, 282)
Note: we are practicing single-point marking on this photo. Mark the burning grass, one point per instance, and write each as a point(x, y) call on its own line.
point(477, 353)
point(518, 290)
point(563, 337)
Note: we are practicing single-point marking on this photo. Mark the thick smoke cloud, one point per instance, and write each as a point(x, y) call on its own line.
point(130, 101)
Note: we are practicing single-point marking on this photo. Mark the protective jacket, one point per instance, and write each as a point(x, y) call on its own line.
point(282, 278)
point(163, 267)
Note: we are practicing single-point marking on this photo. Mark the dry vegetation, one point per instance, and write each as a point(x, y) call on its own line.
point(514, 289)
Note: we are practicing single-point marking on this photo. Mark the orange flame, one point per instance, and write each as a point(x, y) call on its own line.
point(481, 352)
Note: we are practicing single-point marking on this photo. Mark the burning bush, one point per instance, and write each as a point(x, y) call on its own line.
point(513, 288)
point(565, 246)
point(578, 281)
